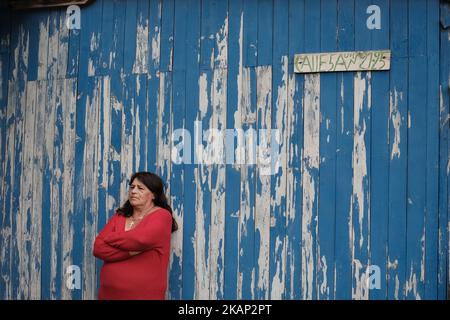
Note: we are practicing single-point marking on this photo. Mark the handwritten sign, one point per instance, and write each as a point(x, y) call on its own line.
point(342, 61)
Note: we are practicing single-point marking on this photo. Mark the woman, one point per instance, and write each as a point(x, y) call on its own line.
point(135, 243)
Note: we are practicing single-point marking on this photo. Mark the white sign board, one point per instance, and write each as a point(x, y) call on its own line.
point(342, 61)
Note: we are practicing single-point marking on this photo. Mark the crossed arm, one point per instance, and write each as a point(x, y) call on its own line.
point(106, 252)
point(112, 245)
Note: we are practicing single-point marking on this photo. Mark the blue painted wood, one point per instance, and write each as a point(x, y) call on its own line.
point(5, 221)
point(129, 48)
point(416, 192)
point(279, 114)
point(432, 174)
point(233, 173)
point(312, 44)
point(398, 152)
point(266, 27)
point(108, 33)
point(344, 145)
point(192, 99)
point(167, 11)
point(379, 200)
point(444, 190)
point(327, 188)
point(294, 221)
point(179, 114)
point(132, 94)
point(250, 40)
point(246, 236)
point(20, 78)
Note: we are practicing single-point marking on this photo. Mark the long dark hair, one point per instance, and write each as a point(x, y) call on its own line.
point(156, 186)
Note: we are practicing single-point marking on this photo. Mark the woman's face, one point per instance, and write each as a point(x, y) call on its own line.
point(139, 195)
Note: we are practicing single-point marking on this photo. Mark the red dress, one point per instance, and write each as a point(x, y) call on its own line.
point(143, 276)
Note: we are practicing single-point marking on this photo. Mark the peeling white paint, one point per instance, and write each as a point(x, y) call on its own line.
point(396, 121)
point(310, 163)
point(411, 284)
point(263, 201)
point(91, 188)
point(218, 121)
point(156, 46)
point(201, 263)
point(94, 45)
point(324, 288)
point(140, 62)
point(53, 49)
point(31, 288)
point(360, 291)
point(360, 194)
point(43, 49)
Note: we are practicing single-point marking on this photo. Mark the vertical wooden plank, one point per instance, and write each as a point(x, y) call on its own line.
point(206, 39)
point(294, 193)
point(248, 175)
point(361, 158)
point(203, 191)
point(263, 199)
point(41, 99)
point(127, 155)
point(177, 172)
point(360, 204)
point(140, 122)
point(105, 206)
point(277, 139)
point(117, 83)
point(141, 57)
point(5, 34)
point(91, 163)
point(218, 122)
point(344, 148)
point(31, 289)
point(417, 126)
point(18, 272)
point(89, 42)
point(53, 45)
point(432, 133)
point(380, 162)
point(398, 152)
point(190, 189)
point(85, 89)
point(310, 160)
point(310, 182)
point(167, 23)
point(73, 54)
point(153, 80)
point(69, 145)
point(232, 179)
point(63, 46)
point(49, 215)
point(327, 183)
point(56, 190)
point(250, 32)
point(107, 37)
point(444, 162)
point(34, 20)
point(44, 25)
point(265, 31)
point(6, 249)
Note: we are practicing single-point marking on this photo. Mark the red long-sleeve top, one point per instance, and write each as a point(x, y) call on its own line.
point(142, 276)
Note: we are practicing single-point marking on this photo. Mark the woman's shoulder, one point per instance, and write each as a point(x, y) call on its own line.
point(161, 213)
